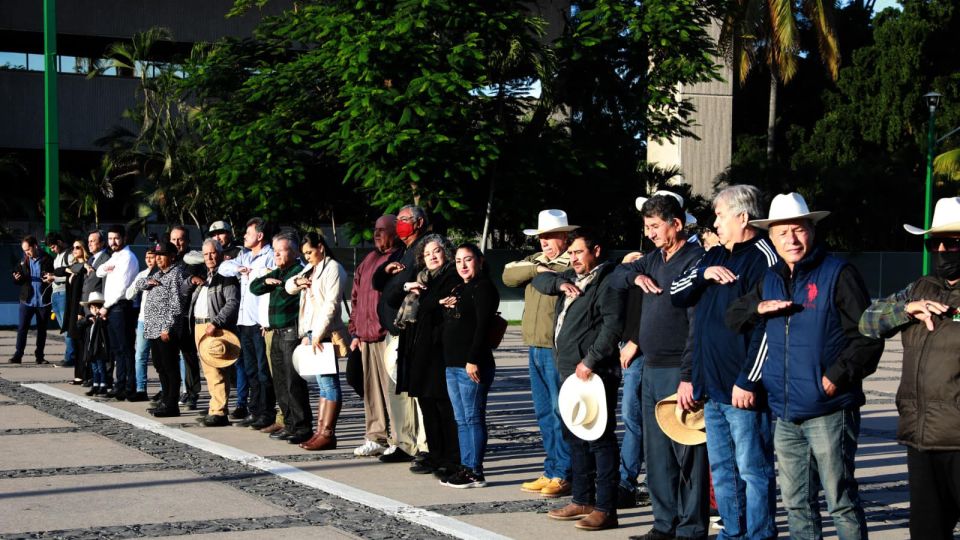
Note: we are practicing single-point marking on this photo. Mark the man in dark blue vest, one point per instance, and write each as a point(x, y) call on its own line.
point(815, 361)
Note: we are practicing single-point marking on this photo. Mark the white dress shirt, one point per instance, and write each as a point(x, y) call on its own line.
point(119, 272)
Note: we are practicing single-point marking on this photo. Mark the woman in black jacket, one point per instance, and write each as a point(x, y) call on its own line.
point(73, 311)
point(468, 315)
point(422, 356)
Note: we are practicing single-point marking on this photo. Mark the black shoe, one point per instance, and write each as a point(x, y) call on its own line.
point(120, 396)
point(239, 413)
point(111, 393)
point(183, 399)
point(397, 456)
point(41, 361)
point(165, 412)
point(102, 391)
point(91, 392)
point(87, 383)
point(191, 403)
point(657, 535)
point(421, 457)
point(643, 495)
point(63, 364)
point(247, 421)
point(261, 422)
point(214, 420)
point(422, 468)
point(157, 397)
point(15, 360)
point(138, 396)
point(281, 435)
point(626, 498)
point(298, 438)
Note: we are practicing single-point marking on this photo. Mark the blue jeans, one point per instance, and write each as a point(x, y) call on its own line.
point(631, 450)
point(329, 387)
point(253, 353)
point(99, 370)
point(26, 314)
point(677, 480)
point(595, 462)
point(242, 387)
point(469, 400)
point(58, 301)
point(740, 447)
point(142, 347)
point(821, 448)
point(118, 320)
point(545, 390)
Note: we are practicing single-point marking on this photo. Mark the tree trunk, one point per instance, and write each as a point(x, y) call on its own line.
point(772, 118)
point(486, 218)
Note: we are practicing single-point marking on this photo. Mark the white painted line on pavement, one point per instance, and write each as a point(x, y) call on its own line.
point(404, 511)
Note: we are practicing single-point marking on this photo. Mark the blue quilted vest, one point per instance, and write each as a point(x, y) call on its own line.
point(801, 346)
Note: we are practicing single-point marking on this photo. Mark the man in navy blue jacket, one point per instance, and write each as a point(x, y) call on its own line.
point(739, 426)
point(813, 362)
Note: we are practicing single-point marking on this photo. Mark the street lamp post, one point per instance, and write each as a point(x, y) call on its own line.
point(932, 99)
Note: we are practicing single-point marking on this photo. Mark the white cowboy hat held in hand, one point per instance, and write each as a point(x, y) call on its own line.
point(583, 406)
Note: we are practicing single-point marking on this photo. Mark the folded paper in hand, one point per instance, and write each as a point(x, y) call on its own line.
point(310, 364)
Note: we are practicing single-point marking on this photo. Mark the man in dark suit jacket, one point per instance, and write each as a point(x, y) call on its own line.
point(588, 324)
point(99, 254)
point(34, 296)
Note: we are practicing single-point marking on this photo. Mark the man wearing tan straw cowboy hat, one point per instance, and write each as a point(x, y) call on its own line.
point(809, 304)
point(589, 321)
point(553, 232)
point(929, 424)
point(214, 308)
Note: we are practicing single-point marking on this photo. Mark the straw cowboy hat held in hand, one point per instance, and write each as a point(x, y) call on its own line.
point(946, 218)
point(689, 219)
point(786, 207)
point(684, 427)
point(220, 350)
point(551, 221)
point(583, 406)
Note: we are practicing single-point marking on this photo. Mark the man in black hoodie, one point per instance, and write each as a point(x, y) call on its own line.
point(587, 331)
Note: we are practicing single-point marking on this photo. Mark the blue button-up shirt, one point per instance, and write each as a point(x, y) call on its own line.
point(253, 308)
point(36, 282)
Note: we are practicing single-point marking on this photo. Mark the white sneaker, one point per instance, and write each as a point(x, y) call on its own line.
point(369, 449)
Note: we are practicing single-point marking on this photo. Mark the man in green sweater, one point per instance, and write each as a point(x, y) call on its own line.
point(293, 396)
point(553, 232)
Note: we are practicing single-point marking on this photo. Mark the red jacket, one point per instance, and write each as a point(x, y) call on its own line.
point(364, 323)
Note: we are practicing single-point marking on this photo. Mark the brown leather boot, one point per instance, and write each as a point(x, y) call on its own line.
point(598, 521)
point(571, 512)
point(321, 404)
point(326, 439)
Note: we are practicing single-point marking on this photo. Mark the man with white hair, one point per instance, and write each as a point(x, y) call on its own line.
point(813, 361)
point(739, 426)
point(553, 232)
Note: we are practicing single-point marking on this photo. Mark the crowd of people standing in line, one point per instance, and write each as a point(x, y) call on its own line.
point(726, 357)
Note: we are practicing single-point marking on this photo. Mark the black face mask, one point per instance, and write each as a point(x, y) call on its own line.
point(948, 265)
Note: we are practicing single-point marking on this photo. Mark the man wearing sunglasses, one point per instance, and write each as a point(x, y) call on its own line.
point(929, 423)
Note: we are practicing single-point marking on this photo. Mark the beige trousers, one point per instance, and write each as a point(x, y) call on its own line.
point(268, 339)
point(405, 418)
point(218, 380)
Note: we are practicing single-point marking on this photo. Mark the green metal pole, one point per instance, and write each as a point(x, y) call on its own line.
point(928, 196)
point(51, 128)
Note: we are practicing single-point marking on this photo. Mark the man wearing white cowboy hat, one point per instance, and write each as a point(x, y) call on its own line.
point(553, 231)
point(926, 314)
point(739, 426)
point(809, 305)
point(677, 480)
point(588, 324)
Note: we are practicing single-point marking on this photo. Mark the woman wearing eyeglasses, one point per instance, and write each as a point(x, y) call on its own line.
point(467, 317)
point(75, 273)
point(926, 314)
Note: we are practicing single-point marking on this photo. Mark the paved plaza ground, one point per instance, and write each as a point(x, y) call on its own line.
point(76, 467)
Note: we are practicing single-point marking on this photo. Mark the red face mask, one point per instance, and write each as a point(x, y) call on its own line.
point(404, 229)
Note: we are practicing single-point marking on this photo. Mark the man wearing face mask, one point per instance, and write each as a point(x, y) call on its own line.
point(929, 423)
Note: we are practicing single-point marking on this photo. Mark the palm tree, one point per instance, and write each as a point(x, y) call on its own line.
point(948, 164)
point(755, 31)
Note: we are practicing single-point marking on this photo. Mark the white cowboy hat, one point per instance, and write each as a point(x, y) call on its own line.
point(684, 427)
point(787, 206)
point(946, 218)
point(551, 221)
point(309, 363)
point(93, 298)
point(583, 406)
point(690, 219)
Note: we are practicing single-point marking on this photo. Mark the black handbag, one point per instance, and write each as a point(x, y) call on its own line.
point(354, 362)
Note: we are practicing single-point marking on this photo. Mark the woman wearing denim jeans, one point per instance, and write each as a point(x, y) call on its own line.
point(470, 309)
point(321, 294)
